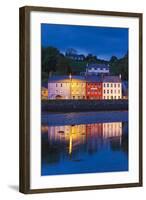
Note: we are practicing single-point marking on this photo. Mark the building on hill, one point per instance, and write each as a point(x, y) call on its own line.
point(112, 87)
point(97, 69)
point(93, 87)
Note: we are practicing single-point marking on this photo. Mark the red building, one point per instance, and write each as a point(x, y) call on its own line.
point(93, 87)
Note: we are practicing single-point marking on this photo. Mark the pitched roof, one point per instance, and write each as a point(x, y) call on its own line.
point(65, 78)
point(113, 79)
point(93, 79)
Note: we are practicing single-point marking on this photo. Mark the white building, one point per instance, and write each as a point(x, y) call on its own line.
point(112, 87)
point(97, 69)
point(65, 87)
point(59, 87)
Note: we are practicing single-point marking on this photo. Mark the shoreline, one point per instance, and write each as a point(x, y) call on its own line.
point(66, 106)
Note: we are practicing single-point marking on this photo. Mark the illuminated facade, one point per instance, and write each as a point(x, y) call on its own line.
point(59, 87)
point(85, 87)
point(44, 93)
point(93, 87)
point(112, 87)
point(97, 69)
point(78, 87)
point(63, 87)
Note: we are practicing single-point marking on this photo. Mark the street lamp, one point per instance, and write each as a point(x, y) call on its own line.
point(70, 84)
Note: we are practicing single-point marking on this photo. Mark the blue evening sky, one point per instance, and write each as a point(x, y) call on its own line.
point(103, 42)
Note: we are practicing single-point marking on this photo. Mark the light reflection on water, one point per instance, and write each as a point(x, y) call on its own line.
point(84, 148)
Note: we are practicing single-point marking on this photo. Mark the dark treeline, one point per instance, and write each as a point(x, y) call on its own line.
point(56, 63)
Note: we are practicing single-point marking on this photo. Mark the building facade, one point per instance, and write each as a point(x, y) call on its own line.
point(44, 93)
point(59, 87)
point(112, 87)
point(78, 87)
point(93, 87)
point(85, 87)
point(63, 87)
point(97, 69)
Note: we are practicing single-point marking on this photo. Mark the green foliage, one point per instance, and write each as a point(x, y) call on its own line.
point(54, 62)
point(119, 66)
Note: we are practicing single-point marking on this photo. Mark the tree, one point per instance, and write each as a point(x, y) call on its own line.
point(49, 59)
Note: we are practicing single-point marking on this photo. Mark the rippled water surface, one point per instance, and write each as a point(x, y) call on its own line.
point(84, 142)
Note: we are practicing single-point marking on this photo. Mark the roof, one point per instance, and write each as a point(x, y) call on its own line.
point(113, 79)
point(95, 65)
point(93, 79)
point(66, 79)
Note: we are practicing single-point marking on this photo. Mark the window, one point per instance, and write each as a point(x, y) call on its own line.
point(107, 91)
point(119, 97)
point(111, 85)
point(119, 91)
point(104, 84)
point(107, 97)
point(56, 84)
point(111, 91)
point(115, 91)
point(115, 84)
point(78, 97)
point(119, 85)
point(108, 85)
point(115, 97)
point(61, 85)
point(73, 97)
point(111, 97)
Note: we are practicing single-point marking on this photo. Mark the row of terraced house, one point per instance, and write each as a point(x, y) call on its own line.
point(95, 83)
point(85, 87)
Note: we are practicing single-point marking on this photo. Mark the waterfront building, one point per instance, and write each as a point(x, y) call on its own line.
point(97, 69)
point(93, 87)
point(44, 93)
point(78, 87)
point(59, 87)
point(112, 87)
point(67, 87)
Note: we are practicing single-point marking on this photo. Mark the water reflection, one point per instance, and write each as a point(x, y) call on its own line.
point(84, 148)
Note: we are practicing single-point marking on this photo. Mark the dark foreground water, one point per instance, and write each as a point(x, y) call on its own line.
point(84, 142)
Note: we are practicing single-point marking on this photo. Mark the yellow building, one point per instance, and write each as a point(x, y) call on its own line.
point(67, 87)
point(44, 93)
point(78, 87)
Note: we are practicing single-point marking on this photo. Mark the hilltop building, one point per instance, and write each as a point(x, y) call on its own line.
point(97, 69)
